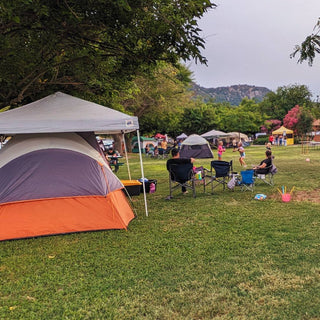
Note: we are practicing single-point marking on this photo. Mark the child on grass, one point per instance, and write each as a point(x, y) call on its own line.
point(242, 154)
point(220, 150)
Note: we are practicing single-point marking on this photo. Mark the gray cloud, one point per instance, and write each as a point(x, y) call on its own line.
point(250, 42)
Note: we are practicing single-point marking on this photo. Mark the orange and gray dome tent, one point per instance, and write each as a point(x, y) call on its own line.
point(54, 178)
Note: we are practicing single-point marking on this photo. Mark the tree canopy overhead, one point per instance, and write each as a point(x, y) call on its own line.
point(277, 104)
point(309, 47)
point(66, 44)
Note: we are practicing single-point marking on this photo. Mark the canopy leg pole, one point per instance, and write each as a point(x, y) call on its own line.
point(142, 174)
point(126, 154)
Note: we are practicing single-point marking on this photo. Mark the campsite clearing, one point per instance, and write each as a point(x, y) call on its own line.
point(221, 256)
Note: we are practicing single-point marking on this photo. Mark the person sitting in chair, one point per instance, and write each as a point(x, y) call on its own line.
point(265, 165)
point(112, 158)
point(176, 160)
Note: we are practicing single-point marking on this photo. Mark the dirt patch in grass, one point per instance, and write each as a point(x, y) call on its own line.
point(310, 195)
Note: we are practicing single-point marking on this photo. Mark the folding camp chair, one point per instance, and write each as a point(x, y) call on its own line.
point(163, 153)
point(246, 182)
point(267, 177)
point(181, 175)
point(219, 174)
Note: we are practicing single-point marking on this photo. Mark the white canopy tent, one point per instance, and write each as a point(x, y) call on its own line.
point(182, 136)
point(214, 134)
point(60, 112)
point(239, 135)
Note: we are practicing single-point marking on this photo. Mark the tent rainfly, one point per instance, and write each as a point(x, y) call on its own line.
point(54, 180)
point(195, 147)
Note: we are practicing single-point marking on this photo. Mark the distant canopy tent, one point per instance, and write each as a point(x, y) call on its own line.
point(195, 147)
point(214, 134)
point(182, 136)
point(238, 136)
point(144, 142)
point(160, 136)
point(288, 132)
point(54, 180)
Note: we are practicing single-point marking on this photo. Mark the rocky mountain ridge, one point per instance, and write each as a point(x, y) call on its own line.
point(232, 94)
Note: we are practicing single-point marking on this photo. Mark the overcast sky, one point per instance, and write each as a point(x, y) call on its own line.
point(250, 42)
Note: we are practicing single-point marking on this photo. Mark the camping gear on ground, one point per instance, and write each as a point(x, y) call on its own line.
point(195, 147)
point(150, 185)
point(260, 196)
point(199, 172)
point(286, 197)
point(233, 181)
point(132, 187)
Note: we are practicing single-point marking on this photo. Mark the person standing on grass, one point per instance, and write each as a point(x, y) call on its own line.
point(242, 154)
point(220, 150)
point(271, 139)
point(268, 146)
point(234, 144)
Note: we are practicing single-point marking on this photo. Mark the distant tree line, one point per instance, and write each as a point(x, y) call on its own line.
point(126, 55)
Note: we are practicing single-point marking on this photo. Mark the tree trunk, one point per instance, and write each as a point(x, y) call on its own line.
point(117, 138)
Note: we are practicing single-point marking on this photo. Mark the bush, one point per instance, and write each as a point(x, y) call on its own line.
point(261, 140)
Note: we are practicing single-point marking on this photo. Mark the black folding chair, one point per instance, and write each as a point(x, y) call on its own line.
point(219, 174)
point(267, 177)
point(181, 175)
point(163, 153)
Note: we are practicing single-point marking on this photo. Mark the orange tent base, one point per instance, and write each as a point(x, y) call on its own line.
point(64, 215)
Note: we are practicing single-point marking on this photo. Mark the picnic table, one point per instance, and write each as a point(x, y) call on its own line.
point(114, 163)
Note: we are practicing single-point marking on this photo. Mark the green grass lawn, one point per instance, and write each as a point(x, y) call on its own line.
point(220, 256)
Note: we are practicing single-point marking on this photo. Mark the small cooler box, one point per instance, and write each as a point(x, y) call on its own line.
point(133, 187)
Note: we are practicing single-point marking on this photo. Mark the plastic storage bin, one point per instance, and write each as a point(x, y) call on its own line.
point(133, 187)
